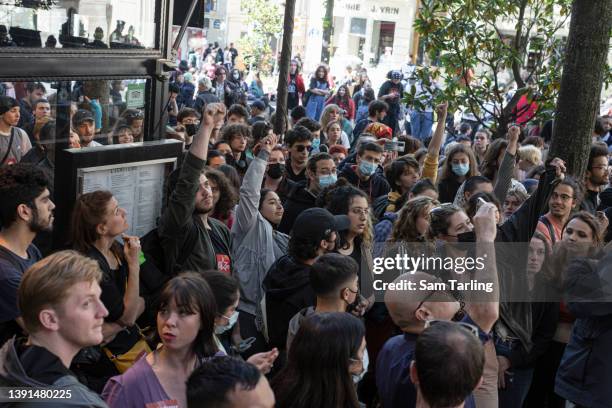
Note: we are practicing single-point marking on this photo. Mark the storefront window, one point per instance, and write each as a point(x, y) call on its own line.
point(100, 112)
point(358, 26)
point(90, 25)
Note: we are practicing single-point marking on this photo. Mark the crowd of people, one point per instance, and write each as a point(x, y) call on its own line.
point(256, 289)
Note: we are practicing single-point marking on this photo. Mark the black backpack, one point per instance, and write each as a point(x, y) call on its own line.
point(156, 270)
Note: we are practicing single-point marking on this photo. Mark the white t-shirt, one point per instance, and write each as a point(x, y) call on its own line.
point(93, 144)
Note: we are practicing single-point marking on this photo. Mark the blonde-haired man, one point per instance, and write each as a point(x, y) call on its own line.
point(59, 299)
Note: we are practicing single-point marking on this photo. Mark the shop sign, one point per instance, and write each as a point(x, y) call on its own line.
point(394, 11)
point(135, 97)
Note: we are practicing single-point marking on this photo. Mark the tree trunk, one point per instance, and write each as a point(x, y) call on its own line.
point(327, 30)
point(583, 71)
point(280, 125)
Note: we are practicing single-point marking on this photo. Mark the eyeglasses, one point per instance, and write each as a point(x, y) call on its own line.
point(354, 292)
point(563, 197)
point(469, 327)
point(301, 148)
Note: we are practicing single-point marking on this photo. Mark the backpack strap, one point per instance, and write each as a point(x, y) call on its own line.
point(551, 230)
point(10, 144)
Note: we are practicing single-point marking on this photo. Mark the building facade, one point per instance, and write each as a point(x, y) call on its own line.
point(374, 31)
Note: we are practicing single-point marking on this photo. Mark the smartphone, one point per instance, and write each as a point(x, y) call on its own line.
point(401, 146)
point(391, 146)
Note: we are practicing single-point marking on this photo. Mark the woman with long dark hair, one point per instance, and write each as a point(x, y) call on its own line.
point(459, 165)
point(325, 359)
point(185, 327)
point(581, 237)
point(295, 86)
point(343, 99)
point(319, 92)
point(97, 222)
point(355, 242)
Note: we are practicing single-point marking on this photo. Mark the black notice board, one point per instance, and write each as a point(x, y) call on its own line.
point(72, 164)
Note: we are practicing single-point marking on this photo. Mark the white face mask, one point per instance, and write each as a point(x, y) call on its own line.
point(365, 362)
point(231, 322)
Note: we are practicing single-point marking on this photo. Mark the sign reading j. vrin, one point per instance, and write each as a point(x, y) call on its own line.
point(372, 8)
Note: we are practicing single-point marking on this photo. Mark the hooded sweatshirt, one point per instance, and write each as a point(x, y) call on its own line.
point(374, 187)
point(31, 366)
point(287, 288)
point(298, 200)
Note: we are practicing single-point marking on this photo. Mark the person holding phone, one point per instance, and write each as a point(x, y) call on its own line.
point(97, 222)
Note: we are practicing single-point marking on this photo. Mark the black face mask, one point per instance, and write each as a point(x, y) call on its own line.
point(191, 129)
point(276, 170)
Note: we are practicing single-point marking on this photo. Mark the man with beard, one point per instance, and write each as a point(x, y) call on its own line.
point(83, 124)
point(25, 210)
point(595, 177)
point(186, 220)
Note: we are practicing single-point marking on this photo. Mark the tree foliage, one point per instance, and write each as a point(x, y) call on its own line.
point(264, 20)
point(475, 56)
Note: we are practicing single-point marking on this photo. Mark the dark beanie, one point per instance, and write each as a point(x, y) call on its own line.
point(7, 103)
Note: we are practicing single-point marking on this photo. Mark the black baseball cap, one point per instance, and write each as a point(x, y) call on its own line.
point(259, 105)
point(318, 223)
point(82, 115)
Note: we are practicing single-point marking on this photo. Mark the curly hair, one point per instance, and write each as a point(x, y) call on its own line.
point(228, 197)
point(405, 228)
point(19, 184)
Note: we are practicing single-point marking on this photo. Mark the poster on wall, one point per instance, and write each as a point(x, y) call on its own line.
point(138, 187)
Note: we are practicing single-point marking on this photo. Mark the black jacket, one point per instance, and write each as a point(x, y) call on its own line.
point(374, 187)
point(178, 221)
point(447, 190)
point(298, 200)
point(203, 99)
point(287, 288)
point(512, 259)
point(296, 178)
point(590, 202)
point(30, 366)
point(585, 373)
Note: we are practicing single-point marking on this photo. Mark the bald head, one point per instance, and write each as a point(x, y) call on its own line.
point(403, 305)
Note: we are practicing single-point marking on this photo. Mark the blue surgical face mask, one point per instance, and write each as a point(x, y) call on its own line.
point(231, 322)
point(316, 143)
point(365, 362)
point(327, 180)
point(461, 169)
point(366, 168)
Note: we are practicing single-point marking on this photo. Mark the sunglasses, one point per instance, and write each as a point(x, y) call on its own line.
point(135, 115)
point(469, 327)
point(457, 317)
point(301, 148)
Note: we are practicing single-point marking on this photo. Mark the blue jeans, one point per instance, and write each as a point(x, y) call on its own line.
point(421, 123)
point(518, 380)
